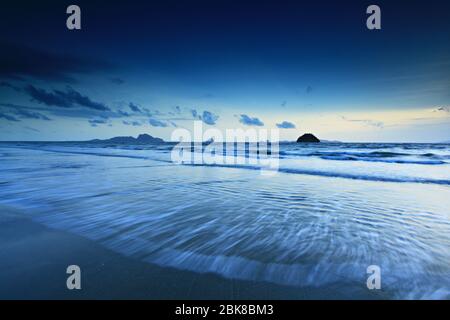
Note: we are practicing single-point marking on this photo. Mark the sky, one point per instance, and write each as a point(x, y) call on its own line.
point(154, 66)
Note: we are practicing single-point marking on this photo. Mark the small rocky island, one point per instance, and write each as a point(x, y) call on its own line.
point(308, 137)
point(141, 139)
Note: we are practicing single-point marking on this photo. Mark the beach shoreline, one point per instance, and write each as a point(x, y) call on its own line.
point(141, 228)
point(34, 258)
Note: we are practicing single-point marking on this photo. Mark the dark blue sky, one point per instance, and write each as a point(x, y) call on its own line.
point(313, 64)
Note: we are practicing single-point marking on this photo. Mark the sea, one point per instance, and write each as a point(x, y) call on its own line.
point(327, 214)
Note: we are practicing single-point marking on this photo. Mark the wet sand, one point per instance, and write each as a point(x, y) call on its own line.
point(34, 258)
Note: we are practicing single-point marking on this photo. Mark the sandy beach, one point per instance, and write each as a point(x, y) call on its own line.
point(34, 258)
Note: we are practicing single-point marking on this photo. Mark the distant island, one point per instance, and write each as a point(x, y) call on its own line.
point(308, 137)
point(141, 139)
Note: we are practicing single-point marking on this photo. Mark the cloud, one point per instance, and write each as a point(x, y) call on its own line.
point(157, 123)
point(12, 106)
point(123, 113)
point(132, 123)
point(95, 122)
point(24, 114)
point(137, 109)
point(23, 111)
point(9, 85)
point(134, 107)
point(49, 111)
point(64, 99)
point(77, 98)
point(249, 121)
point(442, 109)
point(209, 117)
point(8, 117)
point(286, 125)
point(83, 113)
point(17, 62)
point(368, 122)
point(32, 129)
point(44, 97)
point(118, 81)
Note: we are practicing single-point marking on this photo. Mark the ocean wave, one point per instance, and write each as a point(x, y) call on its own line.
point(375, 156)
point(291, 168)
point(400, 161)
point(287, 229)
point(331, 174)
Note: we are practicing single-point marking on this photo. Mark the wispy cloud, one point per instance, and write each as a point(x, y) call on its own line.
point(23, 112)
point(123, 113)
point(32, 129)
point(8, 117)
point(10, 86)
point(96, 122)
point(132, 123)
point(134, 107)
point(17, 62)
point(65, 99)
point(250, 121)
point(207, 116)
point(286, 125)
point(368, 122)
point(157, 123)
point(442, 109)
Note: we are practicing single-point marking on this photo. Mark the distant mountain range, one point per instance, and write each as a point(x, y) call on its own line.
point(148, 139)
point(141, 139)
